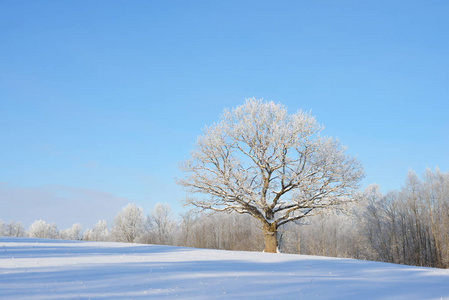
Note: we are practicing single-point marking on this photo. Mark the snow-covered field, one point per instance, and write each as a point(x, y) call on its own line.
point(53, 269)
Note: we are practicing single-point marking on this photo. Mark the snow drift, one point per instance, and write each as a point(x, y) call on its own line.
point(53, 269)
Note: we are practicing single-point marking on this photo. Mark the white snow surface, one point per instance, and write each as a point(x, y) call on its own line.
point(55, 269)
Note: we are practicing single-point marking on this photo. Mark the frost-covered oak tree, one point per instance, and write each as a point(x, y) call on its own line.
point(258, 160)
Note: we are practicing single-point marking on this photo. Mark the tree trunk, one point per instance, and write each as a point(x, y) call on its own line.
point(270, 238)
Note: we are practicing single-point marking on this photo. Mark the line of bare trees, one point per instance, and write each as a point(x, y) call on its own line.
point(407, 226)
point(214, 231)
point(411, 226)
point(130, 225)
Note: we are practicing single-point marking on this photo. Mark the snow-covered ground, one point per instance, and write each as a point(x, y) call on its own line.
point(53, 269)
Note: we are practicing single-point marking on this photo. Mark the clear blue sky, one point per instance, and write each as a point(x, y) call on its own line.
point(100, 100)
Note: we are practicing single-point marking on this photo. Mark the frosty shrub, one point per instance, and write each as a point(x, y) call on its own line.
point(40, 229)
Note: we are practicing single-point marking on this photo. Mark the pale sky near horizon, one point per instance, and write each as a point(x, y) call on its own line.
point(100, 100)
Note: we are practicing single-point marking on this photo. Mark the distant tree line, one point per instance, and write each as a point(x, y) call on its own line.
point(407, 226)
